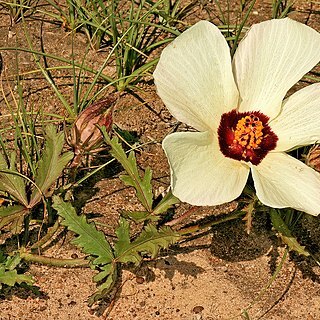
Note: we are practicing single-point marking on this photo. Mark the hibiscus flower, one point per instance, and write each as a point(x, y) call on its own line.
point(243, 124)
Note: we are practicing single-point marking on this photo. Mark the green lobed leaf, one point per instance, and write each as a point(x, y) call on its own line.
point(123, 234)
point(11, 277)
point(142, 185)
point(109, 276)
point(285, 233)
point(11, 182)
point(150, 241)
point(51, 164)
point(138, 216)
point(166, 203)
point(13, 215)
point(12, 262)
point(91, 240)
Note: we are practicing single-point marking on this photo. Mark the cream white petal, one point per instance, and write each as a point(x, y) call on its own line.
point(200, 174)
point(298, 123)
point(282, 181)
point(194, 77)
point(271, 58)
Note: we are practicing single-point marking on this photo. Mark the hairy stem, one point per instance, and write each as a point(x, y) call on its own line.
point(184, 216)
point(199, 227)
point(48, 236)
point(56, 262)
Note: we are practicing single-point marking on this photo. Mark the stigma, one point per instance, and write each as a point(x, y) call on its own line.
point(246, 136)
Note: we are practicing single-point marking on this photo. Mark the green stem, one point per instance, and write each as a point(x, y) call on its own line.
point(243, 22)
point(198, 227)
point(48, 235)
point(56, 262)
point(26, 230)
point(184, 216)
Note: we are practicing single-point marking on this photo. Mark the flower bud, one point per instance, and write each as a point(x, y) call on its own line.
point(313, 158)
point(85, 133)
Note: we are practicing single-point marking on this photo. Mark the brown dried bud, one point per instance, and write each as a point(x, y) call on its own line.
point(313, 158)
point(85, 133)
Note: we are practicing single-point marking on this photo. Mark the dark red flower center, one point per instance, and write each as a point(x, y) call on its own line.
point(246, 136)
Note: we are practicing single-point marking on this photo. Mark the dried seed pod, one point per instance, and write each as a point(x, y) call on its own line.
point(85, 133)
point(313, 158)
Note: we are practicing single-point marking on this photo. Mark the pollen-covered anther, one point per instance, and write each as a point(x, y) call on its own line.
point(248, 133)
point(246, 136)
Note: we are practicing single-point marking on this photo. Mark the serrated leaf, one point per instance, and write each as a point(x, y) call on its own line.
point(142, 185)
point(13, 215)
point(11, 182)
point(12, 262)
point(166, 203)
point(123, 234)
point(109, 275)
point(106, 270)
point(150, 241)
point(285, 233)
point(91, 240)
point(51, 164)
point(11, 277)
point(138, 216)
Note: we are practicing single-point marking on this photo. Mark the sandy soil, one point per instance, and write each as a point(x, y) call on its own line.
point(216, 275)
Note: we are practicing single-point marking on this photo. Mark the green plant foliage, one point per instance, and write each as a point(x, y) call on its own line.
point(93, 243)
point(106, 259)
point(51, 164)
point(171, 12)
point(150, 241)
point(142, 185)
point(12, 277)
point(281, 8)
point(14, 216)
point(49, 167)
point(135, 34)
point(130, 137)
point(91, 240)
point(163, 206)
point(107, 277)
point(138, 216)
point(11, 181)
point(166, 203)
point(8, 273)
point(18, 7)
point(12, 262)
point(286, 234)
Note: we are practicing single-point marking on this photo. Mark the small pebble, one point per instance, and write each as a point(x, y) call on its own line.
point(198, 309)
point(142, 303)
point(42, 308)
point(140, 280)
point(91, 311)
